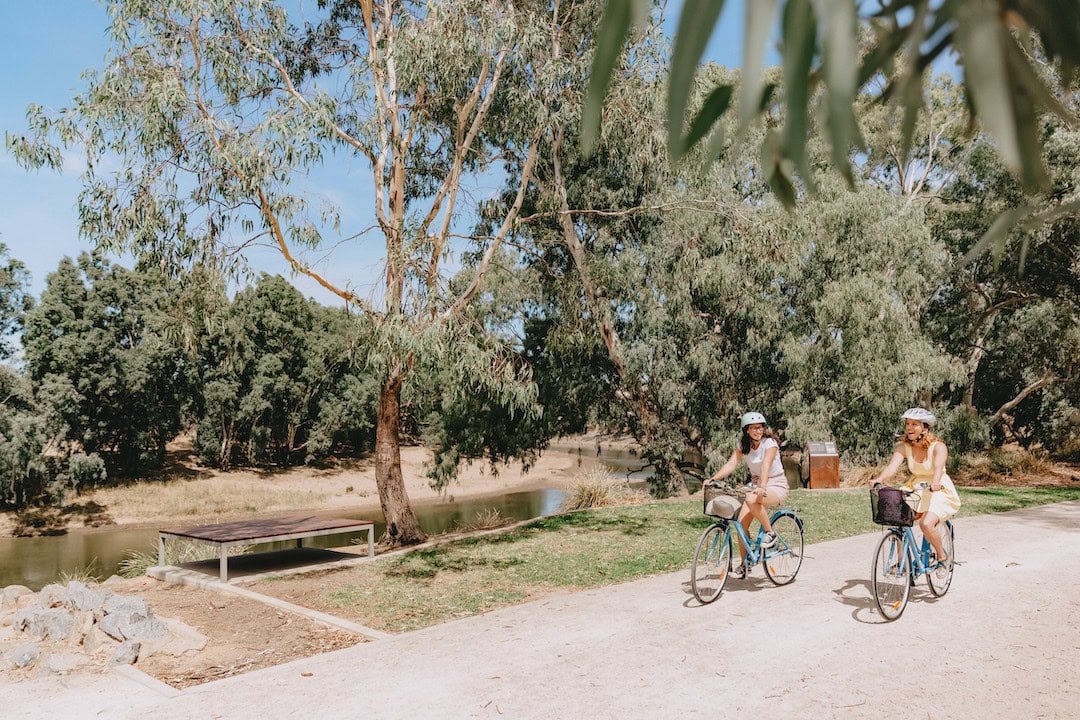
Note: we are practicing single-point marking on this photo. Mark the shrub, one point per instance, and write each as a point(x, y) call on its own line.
point(597, 488)
point(485, 520)
point(964, 431)
point(87, 470)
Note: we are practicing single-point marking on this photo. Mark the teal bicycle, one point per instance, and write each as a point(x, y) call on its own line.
point(899, 560)
point(713, 554)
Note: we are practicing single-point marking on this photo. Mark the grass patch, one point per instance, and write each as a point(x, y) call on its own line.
point(136, 563)
point(578, 550)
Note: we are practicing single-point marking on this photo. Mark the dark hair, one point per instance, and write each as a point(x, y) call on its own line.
point(745, 441)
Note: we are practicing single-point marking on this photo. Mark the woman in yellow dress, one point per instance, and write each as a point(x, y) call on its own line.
point(926, 455)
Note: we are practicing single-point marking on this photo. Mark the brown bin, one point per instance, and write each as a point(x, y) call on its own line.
point(824, 465)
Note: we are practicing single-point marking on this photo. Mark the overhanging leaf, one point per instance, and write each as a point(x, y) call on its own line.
point(696, 23)
point(994, 238)
point(800, 34)
point(778, 170)
point(619, 17)
point(712, 110)
point(838, 18)
point(982, 45)
point(759, 15)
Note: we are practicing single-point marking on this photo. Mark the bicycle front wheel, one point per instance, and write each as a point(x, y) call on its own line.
point(939, 584)
point(890, 579)
point(712, 563)
point(783, 560)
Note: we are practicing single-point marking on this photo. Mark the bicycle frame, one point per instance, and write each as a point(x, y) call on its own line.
point(919, 557)
point(914, 552)
point(753, 546)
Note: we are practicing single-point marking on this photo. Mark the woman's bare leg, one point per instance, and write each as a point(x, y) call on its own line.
point(929, 526)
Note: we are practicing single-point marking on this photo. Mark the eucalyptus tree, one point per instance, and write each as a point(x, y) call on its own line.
point(860, 270)
point(214, 114)
point(936, 147)
point(990, 312)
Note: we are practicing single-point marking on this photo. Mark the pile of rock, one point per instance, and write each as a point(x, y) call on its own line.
point(64, 627)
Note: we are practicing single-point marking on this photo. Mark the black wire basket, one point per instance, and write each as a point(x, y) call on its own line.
point(889, 506)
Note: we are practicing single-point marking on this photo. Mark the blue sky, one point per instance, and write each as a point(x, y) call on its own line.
point(47, 45)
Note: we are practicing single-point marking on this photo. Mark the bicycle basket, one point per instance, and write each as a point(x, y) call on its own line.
point(721, 503)
point(889, 507)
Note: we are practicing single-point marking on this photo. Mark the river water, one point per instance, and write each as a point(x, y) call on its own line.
point(37, 561)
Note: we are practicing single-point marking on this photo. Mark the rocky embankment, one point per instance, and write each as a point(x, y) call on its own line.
point(86, 627)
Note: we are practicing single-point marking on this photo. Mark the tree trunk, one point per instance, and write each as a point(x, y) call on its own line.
point(402, 527)
point(978, 351)
point(643, 424)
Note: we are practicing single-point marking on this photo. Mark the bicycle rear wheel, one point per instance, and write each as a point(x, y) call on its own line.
point(940, 585)
point(712, 563)
point(890, 576)
point(783, 560)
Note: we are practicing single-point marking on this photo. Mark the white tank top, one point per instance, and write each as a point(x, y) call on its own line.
point(755, 457)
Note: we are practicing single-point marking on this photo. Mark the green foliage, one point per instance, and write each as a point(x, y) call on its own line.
point(14, 300)
point(1014, 325)
point(861, 270)
point(963, 431)
point(280, 380)
point(104, 367)
point(1002, 49)
point(86, 470)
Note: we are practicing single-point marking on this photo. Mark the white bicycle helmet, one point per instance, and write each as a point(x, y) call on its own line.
point(921, 414)
point(753, 418)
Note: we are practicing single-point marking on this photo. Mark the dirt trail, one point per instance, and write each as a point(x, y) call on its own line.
point(1002, 643)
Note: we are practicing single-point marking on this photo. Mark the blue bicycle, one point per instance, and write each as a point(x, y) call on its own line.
point(712, 557)
point(899, 560)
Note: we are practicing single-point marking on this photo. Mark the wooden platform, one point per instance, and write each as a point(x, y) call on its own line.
point(245, 532)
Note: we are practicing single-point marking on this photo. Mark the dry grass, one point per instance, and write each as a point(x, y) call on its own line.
point(200, 498)
point(486, 520)
point(137, 563)
point(595, 488)
point(1012, 465)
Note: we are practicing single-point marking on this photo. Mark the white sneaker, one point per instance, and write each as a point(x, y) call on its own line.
point(942, 570)
point(768, 540)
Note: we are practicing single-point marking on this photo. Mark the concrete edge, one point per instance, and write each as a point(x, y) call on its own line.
point(148, 681)
point(309, 613)
point(192, 578)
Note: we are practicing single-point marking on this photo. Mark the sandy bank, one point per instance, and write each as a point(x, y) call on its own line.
point(191, 493)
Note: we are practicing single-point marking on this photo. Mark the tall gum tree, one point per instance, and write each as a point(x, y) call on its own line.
point(203, 124)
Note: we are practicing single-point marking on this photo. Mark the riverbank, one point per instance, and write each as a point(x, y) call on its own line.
point(188, 493)
point(590, 642)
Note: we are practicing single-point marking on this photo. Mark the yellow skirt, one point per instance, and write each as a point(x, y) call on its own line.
point(944, 503)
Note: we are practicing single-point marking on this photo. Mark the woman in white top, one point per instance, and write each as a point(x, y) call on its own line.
point(767, 479)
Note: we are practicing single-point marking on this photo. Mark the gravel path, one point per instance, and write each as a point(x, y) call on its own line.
point(1003, 643)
